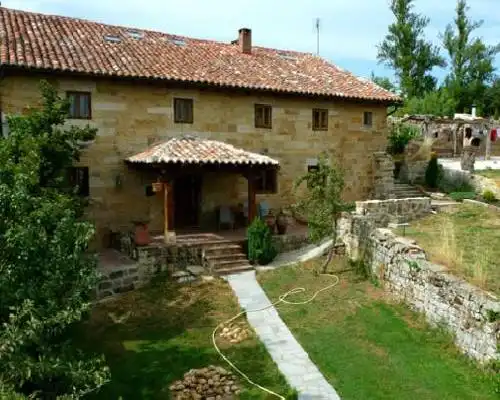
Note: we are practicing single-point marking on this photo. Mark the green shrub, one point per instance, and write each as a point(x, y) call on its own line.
point(453, 183)
point(261, 249)
point(432, 172)
point(461, 196)
point(489, 196)
point(399, 137)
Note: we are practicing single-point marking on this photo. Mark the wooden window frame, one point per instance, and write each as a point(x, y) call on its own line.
point(261, 121)
point(268, 182)
point(78, 95)
point(183, 117)
point(320, 119)
point(365, 115)
point(82, 183)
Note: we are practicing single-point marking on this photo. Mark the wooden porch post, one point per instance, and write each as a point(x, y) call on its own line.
point(168, 212)
point(252, 206)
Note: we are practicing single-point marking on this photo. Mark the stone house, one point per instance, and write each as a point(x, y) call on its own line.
point(217, 124)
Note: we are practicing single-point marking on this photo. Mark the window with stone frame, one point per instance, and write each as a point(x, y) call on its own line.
point(367, 119)
point(79, 105)
point(263, 116)
point(183, 111)
point(320, 119)
point(267, 181)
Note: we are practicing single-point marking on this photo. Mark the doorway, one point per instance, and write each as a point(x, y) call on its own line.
point(187, 200)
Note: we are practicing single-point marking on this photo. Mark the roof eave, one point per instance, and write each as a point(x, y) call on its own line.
point(27, 69)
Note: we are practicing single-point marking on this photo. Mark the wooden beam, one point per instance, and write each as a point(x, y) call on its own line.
point(168, 212)
point(252, 205)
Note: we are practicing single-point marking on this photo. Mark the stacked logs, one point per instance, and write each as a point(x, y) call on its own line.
point(211, 383)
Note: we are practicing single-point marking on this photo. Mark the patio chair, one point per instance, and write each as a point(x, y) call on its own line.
point(263, 209)
point(226, 217)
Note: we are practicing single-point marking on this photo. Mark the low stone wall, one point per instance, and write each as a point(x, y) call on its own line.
point(413, 171)
point(290, 242)
point(478, 182)
point(394, 210)
point(469, 313)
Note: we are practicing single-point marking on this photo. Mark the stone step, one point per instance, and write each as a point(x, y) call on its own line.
point(234, 269)
point(219, 250)
point(228, 263)
point(225, 257)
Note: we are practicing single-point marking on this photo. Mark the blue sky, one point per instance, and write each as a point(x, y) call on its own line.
point(350, 29)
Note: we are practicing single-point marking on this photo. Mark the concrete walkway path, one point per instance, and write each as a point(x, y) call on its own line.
point(287, 353)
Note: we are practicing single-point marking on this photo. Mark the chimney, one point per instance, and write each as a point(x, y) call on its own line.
point(245, 40)
point(474, 111)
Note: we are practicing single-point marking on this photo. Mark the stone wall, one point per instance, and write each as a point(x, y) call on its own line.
point(290, 242)
point(383, 185)
point(478, 182)
point(384, 212)
point(130, 117)
point(413, 171)
point(471, 315)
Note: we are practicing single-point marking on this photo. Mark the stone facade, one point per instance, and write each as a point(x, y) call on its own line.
point(130, 116)
point(383, 186)
point(471, 315)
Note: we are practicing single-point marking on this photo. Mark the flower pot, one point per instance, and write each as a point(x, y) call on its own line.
point(157, 186)
point(281, 223)
point(141, 234)
point(270, 221)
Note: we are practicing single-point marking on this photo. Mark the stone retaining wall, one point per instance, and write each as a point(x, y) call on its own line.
point(290, 242)
point(394, 210)
point(469, 313)
point(478, 182)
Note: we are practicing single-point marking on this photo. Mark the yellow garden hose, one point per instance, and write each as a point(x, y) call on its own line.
point(282, 299)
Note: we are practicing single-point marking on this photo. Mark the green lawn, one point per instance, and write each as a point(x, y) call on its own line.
point(490, 173)
point(169, 332)
point(466, 241)
point(370, 349)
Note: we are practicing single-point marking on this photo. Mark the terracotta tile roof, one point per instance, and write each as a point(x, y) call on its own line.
point(193, 150)
point(49, 42)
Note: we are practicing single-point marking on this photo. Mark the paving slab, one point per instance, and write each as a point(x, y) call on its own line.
point(291, 359)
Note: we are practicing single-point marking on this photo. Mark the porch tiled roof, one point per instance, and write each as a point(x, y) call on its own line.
point(45, 42)
point(193, 150)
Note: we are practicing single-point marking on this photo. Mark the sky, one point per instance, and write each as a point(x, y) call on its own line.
point(350, 30)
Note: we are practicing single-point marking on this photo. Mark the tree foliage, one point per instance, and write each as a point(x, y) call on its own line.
point(321, 201)
point(46, 271)
point(439, 102)
point(471, 61)
point(384, 82)
point(407, 52)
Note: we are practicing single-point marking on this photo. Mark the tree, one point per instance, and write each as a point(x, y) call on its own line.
point(47, 273)
point(405, 50)
point(384, 82)
point(471, 61)
point(492, 100)
point(438, 102)
point(321, 203)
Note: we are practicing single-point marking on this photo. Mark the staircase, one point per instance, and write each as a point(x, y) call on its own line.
point(225, 257)
point(405, 191)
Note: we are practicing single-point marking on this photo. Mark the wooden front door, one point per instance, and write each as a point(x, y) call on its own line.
point(187, 200)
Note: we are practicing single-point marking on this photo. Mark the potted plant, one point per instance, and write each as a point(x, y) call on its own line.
point(141, 233)
point(281, 222)
point(270, 220)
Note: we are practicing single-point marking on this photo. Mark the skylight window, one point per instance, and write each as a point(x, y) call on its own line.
point(178, 42)
point(135, 34)
point(287, 56)
point(112, 39)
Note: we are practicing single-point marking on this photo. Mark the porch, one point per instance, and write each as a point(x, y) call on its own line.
point(202, 185)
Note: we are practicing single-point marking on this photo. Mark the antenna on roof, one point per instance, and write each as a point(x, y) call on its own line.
point(317, 36)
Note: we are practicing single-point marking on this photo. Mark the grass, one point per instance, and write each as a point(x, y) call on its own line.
point(168, 332)
point(493, 174)
point(368, 348)
point(465, 241)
